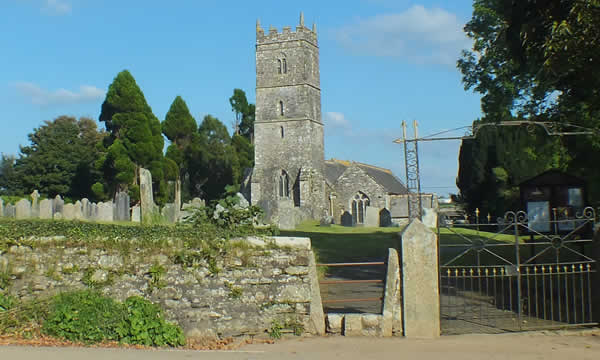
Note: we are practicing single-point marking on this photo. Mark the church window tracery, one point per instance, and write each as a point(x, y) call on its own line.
point(360, 201)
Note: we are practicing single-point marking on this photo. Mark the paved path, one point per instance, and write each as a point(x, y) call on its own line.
point(464, 347)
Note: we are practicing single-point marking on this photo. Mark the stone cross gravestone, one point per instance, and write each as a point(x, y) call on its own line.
point(35, 205)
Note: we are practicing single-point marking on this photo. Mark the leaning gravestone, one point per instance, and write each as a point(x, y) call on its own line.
point(46, 209)
point(35, 205)
point(146, 197)
point(57, 205)
point(121, 206)
point(23, 209)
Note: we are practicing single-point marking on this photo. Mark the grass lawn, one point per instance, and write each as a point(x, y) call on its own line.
point(337, 243)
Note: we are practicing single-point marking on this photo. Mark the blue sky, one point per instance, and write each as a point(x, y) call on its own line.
point(382, 61)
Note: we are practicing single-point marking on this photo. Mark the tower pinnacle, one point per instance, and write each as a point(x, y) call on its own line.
point(301, 18)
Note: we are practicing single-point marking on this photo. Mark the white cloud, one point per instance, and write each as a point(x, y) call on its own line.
point(38, 96)
point(57, 7)
point(336, 120)
point(418, 34)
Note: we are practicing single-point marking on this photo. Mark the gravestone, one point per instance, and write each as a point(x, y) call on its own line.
point(325, 221)
point(135, 214)
point(420, 281)
point(94, 212)
point(105, 211)
point(46, 209)
point(10, 211)
point(23, 209)
point(385, 218)
point(86, 209)
point(168, 213)
point(57, 205)
point(121, 206)
point(371, 217)
point(146, 197)
point(1, 207)
point(68, 212)
point(35, 205)
point(346, 219)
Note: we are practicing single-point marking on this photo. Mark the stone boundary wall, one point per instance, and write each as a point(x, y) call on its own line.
point(263, 282)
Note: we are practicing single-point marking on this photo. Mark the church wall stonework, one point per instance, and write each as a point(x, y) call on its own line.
point(353, 180)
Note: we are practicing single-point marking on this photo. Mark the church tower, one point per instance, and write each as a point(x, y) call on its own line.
point(287, 180)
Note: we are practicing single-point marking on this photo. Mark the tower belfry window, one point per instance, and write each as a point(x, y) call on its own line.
point(279, 66)
point(282, 133)
point(281, 108)
point(284, 66)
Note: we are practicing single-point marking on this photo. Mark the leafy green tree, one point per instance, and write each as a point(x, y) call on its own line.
point(60, 157)
point(244, 114)
point(531, 60)
point(212, 162)
point(135, 139)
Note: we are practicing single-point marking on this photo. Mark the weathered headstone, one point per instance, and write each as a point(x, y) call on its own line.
point(105, 211)
point(146, 197)
point(371, 217)
point(10, 211)
point(135, 214)
point(1, 207)
point(325, 221)
point(23, 209)
point(94, 212)
point(168, 213)
point(86, 209)
point(35, 205)
point(347, 219)
point(420, 279)
point(68, 212)
point(197, 202)
point(46, 209)
point(122, 206)
point(385, 218)
point(57, 205)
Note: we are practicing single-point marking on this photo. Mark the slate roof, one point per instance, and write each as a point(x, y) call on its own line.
point(335, 168)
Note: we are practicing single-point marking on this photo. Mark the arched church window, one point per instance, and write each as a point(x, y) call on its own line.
point(281, 108)
point(360, 201)
point(279, 66)
point(284, 66)
point(284, 185)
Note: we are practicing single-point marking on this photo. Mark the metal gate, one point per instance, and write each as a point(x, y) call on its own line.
point(515, 273)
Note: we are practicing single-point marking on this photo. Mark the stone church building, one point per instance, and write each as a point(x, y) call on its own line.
point(291, 181)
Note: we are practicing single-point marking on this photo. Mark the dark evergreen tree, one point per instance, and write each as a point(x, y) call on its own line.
point(135, 140)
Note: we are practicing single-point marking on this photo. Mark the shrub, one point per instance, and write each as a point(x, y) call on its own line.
point(89, 317)
point(145, 325)
point(6, 302)
point(85, 316)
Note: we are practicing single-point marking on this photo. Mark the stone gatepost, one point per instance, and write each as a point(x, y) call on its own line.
point(420, 281)
point(392, 307)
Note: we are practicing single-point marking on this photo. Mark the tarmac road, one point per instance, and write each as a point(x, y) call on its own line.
point(575, 346)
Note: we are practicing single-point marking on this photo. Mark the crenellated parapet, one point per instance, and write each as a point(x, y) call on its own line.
point(274, 36)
